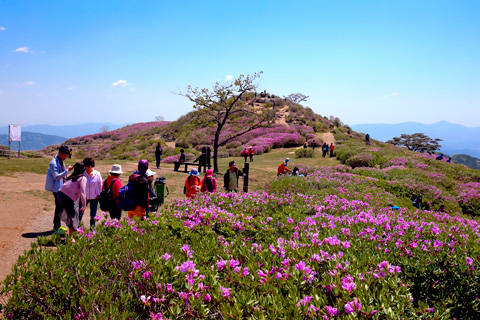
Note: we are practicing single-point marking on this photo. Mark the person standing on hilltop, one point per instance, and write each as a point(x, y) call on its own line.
point(245, 154)
point(139, 182)
point(158, 154)
point(324, 149)
point(56, 175)
point(250, 154)
point(230, 178)
point(332, 147)
point(367, 139)
point(113, 181)
point(93, 188)
point(72, 190)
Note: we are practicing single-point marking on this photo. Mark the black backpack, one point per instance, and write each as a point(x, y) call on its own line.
point(105, 198)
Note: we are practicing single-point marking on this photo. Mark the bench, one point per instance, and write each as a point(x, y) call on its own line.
point(176, 165)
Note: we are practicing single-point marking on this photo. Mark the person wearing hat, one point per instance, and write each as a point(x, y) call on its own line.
point(209, 184)
point(56, 176)
point(282, 169)
point(192, 184)
point(114, 177)
point(139, 182)
point(151, 192)
point(230, 178)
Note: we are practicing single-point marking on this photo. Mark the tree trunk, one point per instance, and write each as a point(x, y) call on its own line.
point(215, 151)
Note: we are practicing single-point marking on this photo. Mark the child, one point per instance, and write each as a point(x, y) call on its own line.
point(209, 183)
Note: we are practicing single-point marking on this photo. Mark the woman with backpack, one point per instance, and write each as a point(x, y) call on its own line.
point(114, 183)
point(192, 184)
point(71, 190)
point(209, 184)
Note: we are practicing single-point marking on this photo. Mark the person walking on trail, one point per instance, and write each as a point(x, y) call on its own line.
point(314, 128)
point(314, 145)
point(139, 182)
point(282, 169)
point(209, 184)
point(332, 147)
point(367, 139)
point(230, 178)
point(158, 154)
point(245, 154)
point(324, 149)
point(93, 188)
point(115, 172)
point(56, 175)
point(305, 145)
point(250, 154)
point(192, 184)
point(72, 190)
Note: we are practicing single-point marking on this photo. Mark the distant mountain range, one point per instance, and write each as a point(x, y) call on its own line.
point(67, 131)
point(32, 141)
point(457, 139)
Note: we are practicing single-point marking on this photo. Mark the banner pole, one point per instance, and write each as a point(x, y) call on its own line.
point(19, 143)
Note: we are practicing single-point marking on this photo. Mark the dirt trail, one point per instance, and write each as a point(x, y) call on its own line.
point(326, 137)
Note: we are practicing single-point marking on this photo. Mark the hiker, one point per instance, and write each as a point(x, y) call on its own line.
point(449, 160)
point(209, 183)
point(367, 139)
point(93, 188)
point(152, 196)
point(282, 169)
point(158, 154)
point(314, 128)
point(324, 149)
point(440, 157)
point(139, 182)
point(56, 175)
point(245, 154)
point(230, 178)
point(394, 207)
point(296, 172)
point(314, 145)
point(332, 147)
point(182, 156)
point(192, 184)
point(115, 172)
point(72, 190)
point(305, 146)
point(250, 154)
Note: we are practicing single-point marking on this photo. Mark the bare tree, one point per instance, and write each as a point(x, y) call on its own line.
point(297, 97)
point(105, 128)
point(336, 121)
point(223, 106)
point(416, 142)
point(159, 118)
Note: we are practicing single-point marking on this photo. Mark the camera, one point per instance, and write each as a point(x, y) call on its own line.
point(153, 204)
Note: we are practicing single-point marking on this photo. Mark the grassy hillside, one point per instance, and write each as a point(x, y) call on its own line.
point(324, 245)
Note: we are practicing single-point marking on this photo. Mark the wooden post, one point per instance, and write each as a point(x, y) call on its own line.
point(245, 177)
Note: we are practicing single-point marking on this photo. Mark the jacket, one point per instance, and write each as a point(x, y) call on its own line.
point(116, 186)
point(226, 178)
point(204, 185)
point(55, 175)
point(193, 185)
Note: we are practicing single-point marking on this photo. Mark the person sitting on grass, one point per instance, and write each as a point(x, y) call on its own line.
point(282, 169)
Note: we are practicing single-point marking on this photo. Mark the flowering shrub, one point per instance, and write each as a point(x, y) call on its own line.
point(361, 160)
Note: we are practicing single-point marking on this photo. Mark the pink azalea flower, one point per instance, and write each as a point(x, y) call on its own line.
point(225, 292)
point(469, 261)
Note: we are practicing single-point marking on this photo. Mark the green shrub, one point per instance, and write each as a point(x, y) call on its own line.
point(304, 153)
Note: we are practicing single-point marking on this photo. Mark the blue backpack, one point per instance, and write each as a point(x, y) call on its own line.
point(126, 199)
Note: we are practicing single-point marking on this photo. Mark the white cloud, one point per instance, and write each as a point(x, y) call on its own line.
point(72, 88)
point(229, 77)
point(22, 49)
point(2, 28)
point(121, 83)
point(395, 94)
point(29, 83)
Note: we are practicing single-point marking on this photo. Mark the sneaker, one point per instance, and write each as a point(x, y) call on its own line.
point(58, 231)
point(63, 229)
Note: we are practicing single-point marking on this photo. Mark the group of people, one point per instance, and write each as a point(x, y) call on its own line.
point(75, 187)
point(247, 153)
point(326, 149)
point(193, 184)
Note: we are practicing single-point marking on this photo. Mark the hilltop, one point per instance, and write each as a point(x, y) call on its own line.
point(292, 127)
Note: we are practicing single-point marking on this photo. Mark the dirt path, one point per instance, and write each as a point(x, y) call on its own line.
point(326, 137)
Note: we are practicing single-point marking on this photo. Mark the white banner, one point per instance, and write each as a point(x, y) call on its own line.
point(15, 132)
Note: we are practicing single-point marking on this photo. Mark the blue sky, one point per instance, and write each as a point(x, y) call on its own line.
point(72, 62)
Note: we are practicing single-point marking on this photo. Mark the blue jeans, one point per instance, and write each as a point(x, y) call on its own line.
point(93, 211)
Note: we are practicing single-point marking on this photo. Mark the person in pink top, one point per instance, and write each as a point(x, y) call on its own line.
point(72, 190)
